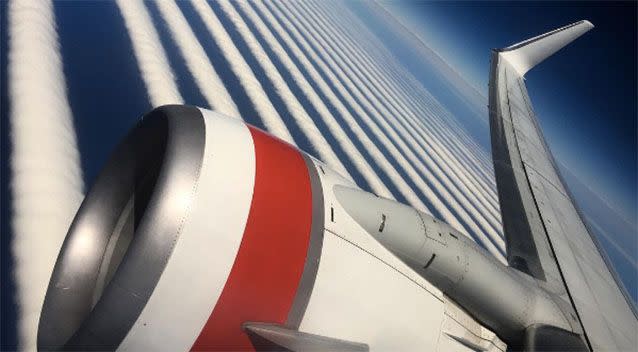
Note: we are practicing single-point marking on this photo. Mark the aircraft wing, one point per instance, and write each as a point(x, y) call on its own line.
point(546, 235)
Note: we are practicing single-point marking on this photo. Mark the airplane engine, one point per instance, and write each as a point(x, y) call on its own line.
point(197, 224)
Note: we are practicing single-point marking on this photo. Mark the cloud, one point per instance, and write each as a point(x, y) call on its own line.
point(293, 105)
point(151, 58)
point(245, 75)
point(282, 26)
point(46, 178)
point(373, 115)
point(386, 111)
point(199, 65)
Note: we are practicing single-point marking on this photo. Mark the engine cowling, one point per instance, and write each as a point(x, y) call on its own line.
point(197, 224)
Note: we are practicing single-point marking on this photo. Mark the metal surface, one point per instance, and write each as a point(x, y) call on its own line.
point(294, 340)
point(546, 235)
point(365, 293)
point(203, 256)
point(154, 168)
point(525, 55)
point(542, 337)
point(495, 294)
point(311, 266)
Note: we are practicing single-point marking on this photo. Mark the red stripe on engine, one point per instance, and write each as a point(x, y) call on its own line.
point(268, 267)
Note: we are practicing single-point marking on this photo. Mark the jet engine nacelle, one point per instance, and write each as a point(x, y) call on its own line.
point(197, 224)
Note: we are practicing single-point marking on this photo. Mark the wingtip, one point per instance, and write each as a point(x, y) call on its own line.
point(528, 53)
point(589, 24)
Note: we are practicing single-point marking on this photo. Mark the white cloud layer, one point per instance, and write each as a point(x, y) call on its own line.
point(46, 178)
point(151, 58)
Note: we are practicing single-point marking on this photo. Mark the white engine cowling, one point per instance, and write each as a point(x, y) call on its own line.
point(197, 224)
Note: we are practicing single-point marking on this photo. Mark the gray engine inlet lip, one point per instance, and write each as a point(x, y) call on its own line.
point(173, 137)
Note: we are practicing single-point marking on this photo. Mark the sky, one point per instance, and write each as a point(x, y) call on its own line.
point(585, 96)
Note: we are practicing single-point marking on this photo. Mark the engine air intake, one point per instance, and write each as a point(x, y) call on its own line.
point(120, 240)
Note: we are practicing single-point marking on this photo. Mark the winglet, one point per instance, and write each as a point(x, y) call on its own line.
point(527, 54)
